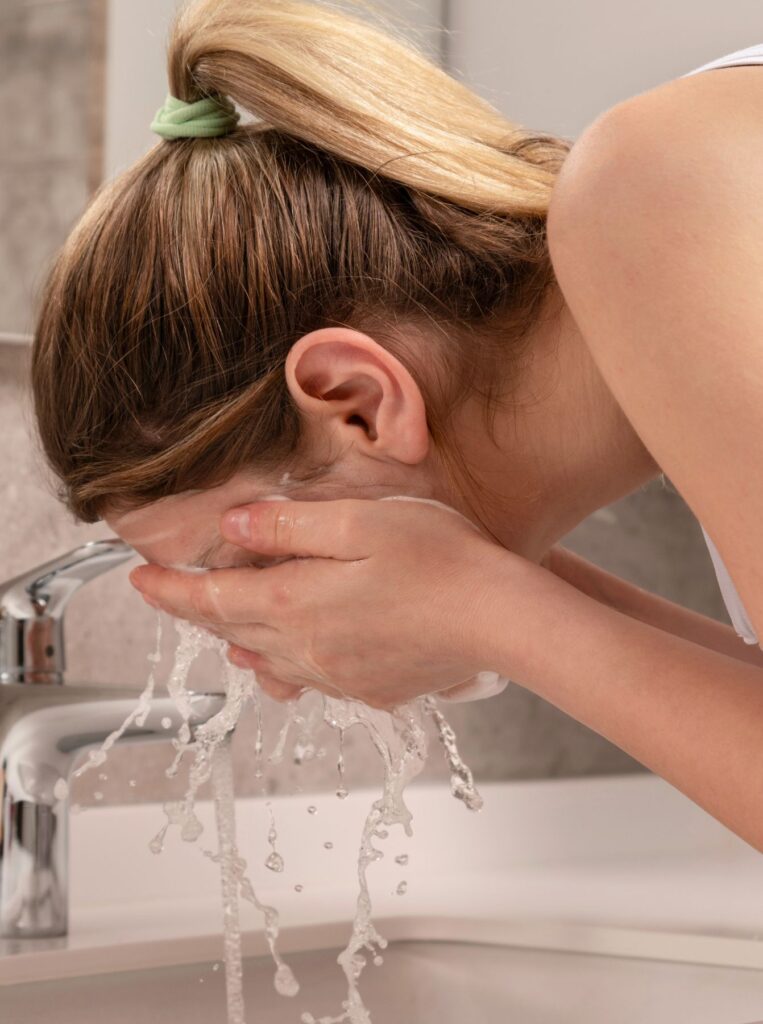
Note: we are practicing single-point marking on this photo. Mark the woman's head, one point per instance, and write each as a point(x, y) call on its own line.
point(329, 281)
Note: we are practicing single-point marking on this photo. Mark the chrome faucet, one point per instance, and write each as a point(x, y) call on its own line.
point(45, 726)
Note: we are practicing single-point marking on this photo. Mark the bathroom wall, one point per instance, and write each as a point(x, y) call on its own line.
point(51, 93)
point(557, 65)
point(51, 53)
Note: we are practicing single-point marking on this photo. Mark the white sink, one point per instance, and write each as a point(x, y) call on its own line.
point(606, 901)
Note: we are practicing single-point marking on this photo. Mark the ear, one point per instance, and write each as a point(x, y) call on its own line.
point(360, 392)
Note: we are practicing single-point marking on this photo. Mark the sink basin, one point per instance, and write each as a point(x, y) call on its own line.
point(418, 983)
point(597, 900)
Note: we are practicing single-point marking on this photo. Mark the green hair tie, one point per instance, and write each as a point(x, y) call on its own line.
point(205, 118)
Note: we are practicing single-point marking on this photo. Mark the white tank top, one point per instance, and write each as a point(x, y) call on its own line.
point(732, 600)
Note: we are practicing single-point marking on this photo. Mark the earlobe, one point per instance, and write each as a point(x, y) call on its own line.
point(360, 391)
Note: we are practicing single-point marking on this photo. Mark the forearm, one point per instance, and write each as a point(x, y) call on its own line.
point(692, 715)
point(641, 604)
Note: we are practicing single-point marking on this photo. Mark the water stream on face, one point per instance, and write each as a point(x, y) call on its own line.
point(399, 738)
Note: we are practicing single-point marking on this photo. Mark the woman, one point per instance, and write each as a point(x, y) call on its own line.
point(369, 293)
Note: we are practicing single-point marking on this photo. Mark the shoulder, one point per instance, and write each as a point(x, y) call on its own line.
point(690, 139)
point(656, 237)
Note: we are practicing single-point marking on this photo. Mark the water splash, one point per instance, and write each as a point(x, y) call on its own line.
point(222, 774)
point(341, 790)
point(461, 779)
point(235, 883)
point(399, 738)
point(138, 715)
point(274, 861)
point(209, 745)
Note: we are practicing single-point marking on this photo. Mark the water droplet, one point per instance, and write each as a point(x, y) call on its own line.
point(378, 961)
point(328, 846)
point(402, 889)
point(298, 888)
point(285, 983)
point(312, 809)
point(191, 828)
point(402, 860)
point(303, 752)
point(61, 789)
point(97, 795)
point(102, 777)
point(216, 967)
point(274, 862)
point(132, 783)
point(157, 844)
point(342, 793)
point(166, 723)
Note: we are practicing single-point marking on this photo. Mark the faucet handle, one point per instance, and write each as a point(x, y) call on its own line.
point(32, 606)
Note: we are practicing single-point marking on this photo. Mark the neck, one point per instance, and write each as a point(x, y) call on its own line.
point(562, 445)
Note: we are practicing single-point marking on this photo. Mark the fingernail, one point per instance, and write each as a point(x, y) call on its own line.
point(236, 524)
point(134, 578)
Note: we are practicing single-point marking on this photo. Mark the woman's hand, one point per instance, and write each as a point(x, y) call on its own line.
point(380, 600)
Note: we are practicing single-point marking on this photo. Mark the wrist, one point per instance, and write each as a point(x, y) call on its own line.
point(523, 610)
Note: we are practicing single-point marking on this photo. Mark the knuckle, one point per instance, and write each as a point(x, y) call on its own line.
point(276, 689)
point(282, 530)
point(281, 596)
point(202, 598)
point(277, 595)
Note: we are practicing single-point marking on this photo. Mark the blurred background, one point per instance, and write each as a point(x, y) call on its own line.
point(80, 81)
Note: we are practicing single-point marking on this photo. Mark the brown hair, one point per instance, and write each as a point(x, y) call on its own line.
point(370, 189)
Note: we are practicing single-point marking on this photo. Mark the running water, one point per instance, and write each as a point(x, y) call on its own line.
point(400, 739)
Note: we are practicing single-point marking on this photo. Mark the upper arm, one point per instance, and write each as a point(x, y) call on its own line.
point(656, 236)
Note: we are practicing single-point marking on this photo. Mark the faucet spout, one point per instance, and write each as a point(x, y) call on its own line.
point(45, 726)
point(32, 606)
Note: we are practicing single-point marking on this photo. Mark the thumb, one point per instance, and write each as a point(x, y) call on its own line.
point(307, 529)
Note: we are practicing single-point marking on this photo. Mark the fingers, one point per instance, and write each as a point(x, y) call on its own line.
point(279, 691)
point(273, 687)
point(307, 529)
point(234, 596)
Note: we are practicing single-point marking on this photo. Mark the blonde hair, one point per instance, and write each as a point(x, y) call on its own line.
point(370, 190)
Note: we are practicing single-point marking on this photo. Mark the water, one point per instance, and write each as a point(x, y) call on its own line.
point(138, 715)
point(222, 776)
point(400, 739)
point(274, 861)
point(461, 780)
point(341, 790)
